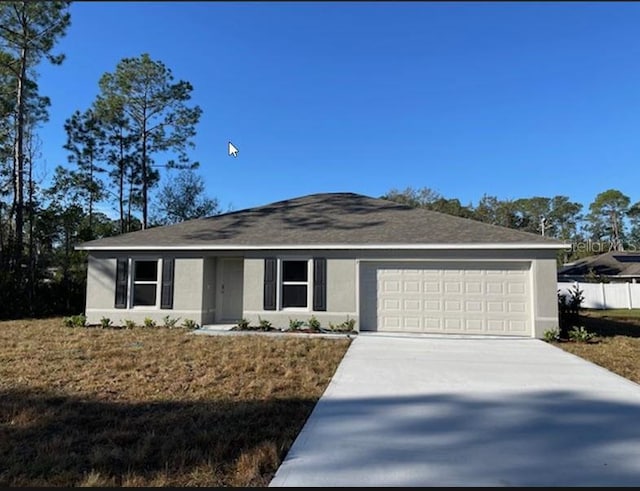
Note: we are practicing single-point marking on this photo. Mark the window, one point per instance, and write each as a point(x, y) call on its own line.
point(295, 284)
point(145, 283)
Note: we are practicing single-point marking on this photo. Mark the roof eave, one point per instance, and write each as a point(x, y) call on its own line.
point(211, 247)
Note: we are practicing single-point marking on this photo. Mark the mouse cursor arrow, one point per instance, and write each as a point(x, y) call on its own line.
point(233, 151)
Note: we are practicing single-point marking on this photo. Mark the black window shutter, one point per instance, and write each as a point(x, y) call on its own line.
point(166, 299)
point(320, 284)
point(270, 265)
point(121, 283)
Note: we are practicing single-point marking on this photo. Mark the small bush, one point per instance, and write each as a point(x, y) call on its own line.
point(75, 321)
point(569, 305)
point(551, 335)
point(105, 323)
point(129, 324)
point(295, 324)
point(243, 324)
point(348, 325)
point(149, 322)
point(169, 322)
point(190, 324)
point(313, 323)
point(580, 334)
point(264, 324)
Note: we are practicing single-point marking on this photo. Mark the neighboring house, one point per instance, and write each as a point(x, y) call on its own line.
point(333, 256)
point(613, 267)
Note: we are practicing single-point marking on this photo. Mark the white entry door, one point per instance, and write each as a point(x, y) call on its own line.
point(230, 290)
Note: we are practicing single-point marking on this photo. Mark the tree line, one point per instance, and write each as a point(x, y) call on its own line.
point(141, 124)
point(611, 222)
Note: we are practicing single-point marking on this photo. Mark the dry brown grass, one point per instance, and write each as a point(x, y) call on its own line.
point(619, 354)
point(616, 346)
point(152, 407)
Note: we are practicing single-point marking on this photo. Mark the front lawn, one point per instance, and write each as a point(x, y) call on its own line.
point(616, 346)
point(152, 406)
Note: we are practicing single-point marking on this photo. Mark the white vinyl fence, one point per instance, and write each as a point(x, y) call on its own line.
point(606, 295)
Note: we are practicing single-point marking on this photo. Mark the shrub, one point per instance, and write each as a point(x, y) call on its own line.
point(149, 322)
point(569, 308)
point(580, 334)
point(295, 324)
point(243, 324)
point(75, 321)
point(551, 335)
point(190, 324)
point(265, 325)
point(348, 325)
point(105, 322)
point(129, 324)
point(169, 322)
point(313, 323)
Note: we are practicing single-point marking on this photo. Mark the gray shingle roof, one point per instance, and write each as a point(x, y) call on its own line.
point(323, 219)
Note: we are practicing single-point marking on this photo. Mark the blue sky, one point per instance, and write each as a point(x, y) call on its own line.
point(507, 99)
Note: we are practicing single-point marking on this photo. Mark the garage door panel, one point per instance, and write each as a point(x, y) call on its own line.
point(452, 324)
point(412, 286)
point(391, 304)
point(432, 287)
point(412, 323)
point(432, 324)
point(495, 307)
point(391, 286)
point(518, 327)
point(494, 288)
point(432, 306)
point(473, 287)
point(482, 298)
point(518, 307)
point(474, 306)
point(516, 288)
point(453, 287)
point(412, 305)
point(496, 325)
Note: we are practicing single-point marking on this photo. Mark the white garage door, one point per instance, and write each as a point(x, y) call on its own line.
point(475, 298)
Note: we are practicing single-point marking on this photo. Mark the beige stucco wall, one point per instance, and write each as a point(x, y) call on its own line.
point(101, 283)
point(341, 292)
point(253, 284)
point(544, 277)
point(341, 286)
point(187, 294)
point(187, 290)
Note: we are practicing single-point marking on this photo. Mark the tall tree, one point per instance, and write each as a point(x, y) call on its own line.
point(28, 33)
point(85, 144)
point(183, 199)
point(415, 197)
point(607, 213)
point(492, 210)
point(564, 216)
point(143, 92)
point(533, 214)
point(634, 234)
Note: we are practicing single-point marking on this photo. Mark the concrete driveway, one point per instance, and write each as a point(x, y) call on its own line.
point(456, 411)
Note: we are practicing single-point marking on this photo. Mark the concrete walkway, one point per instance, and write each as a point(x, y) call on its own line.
point(442, 411)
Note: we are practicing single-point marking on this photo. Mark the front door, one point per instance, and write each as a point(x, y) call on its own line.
point(230, 290)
